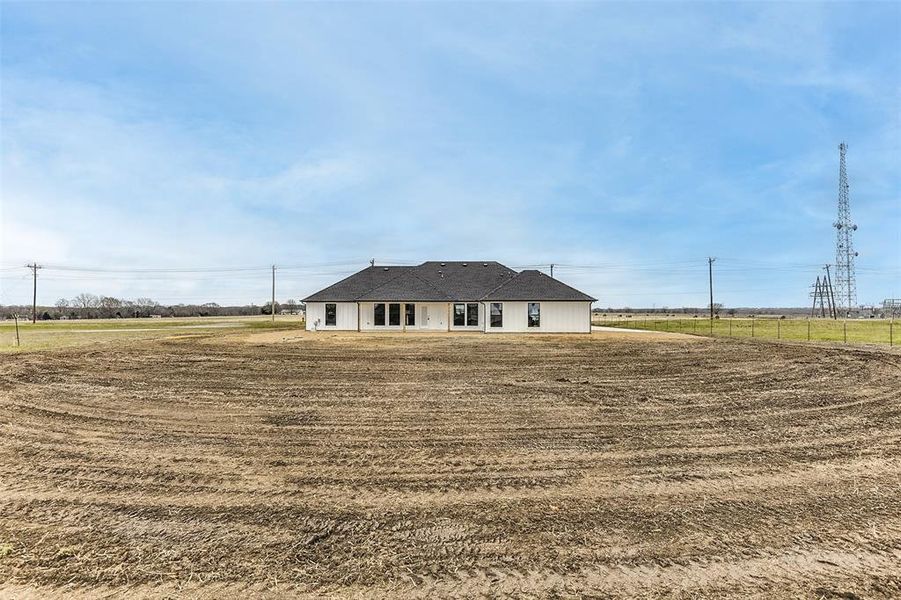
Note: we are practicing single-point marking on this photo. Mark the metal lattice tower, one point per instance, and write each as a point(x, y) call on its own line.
point(846, 296)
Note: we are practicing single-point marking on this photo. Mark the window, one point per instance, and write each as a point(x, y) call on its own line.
point(472, 315)
point(394, 314)
point(534, 314)
point(409, 314)
point(459, 315)
point(380, 314)
point(331, 314)
point(497, 314)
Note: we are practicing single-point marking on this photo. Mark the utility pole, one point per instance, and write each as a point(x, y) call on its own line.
point(710, 271)
point(272, 306)
point(34, 298)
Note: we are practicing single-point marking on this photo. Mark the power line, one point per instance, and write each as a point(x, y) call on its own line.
point(81, 269)
point(230, 281)
point(662, 265)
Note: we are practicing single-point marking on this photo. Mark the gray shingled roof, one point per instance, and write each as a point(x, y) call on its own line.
point(447, 281)
point(405, 287)
point(351, 288)
point(535, 285)
point(465, 280)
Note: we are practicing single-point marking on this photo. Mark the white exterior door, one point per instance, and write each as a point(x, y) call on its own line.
point(425, 317)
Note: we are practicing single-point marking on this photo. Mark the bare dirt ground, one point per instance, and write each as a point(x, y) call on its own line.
point(450, 466)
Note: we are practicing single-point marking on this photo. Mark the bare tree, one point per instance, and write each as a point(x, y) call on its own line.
point(86, 301)
point(146, 303)
point(62, 304)
point(110, 302)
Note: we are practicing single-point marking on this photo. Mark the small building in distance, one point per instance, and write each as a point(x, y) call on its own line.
point(476, 296)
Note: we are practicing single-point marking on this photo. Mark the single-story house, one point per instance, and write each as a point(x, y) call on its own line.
point(450, 296)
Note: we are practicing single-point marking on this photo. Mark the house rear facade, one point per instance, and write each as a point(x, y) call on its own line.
point(474, 296)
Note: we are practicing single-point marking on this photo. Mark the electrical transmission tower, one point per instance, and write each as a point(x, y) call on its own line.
point(822, 296)
point(844, 246)
point(817, 295)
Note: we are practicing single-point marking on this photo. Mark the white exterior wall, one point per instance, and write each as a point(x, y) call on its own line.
point(430, 316)
point(556, 317)
point(346, 316)
point(437, 316)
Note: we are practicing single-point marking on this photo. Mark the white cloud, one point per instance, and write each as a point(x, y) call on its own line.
point(572, 134)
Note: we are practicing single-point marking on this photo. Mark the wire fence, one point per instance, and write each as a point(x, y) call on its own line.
point(867, 331)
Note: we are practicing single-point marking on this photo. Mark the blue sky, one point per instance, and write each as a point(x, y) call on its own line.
point(624, 142)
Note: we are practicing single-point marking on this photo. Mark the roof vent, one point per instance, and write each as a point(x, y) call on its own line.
point(484, 264)
point(386, 268)
point(464, 264)
point(443, 264)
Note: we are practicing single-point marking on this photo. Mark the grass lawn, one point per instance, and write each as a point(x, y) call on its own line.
point(867, 331)
point(47, 335)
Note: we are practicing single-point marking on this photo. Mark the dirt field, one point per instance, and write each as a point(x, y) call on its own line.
point(286, 464)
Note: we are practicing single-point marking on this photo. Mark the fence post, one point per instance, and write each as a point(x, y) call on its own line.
point(695, 325)
point(845, 329)
point(778, 330)
point(891, 326)
point(730, 327)
point(808, 329)
point(752, 326)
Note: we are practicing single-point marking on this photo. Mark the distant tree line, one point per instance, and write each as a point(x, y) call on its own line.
point(91, 306)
